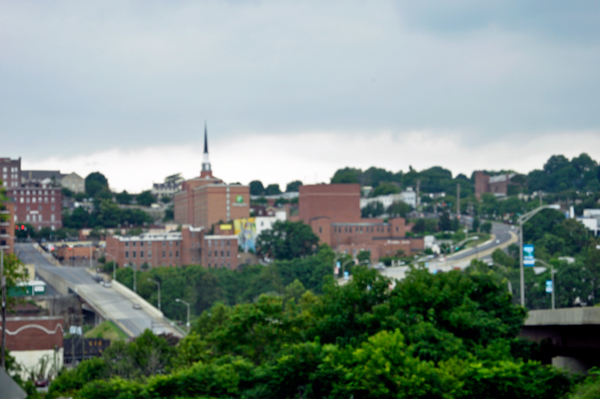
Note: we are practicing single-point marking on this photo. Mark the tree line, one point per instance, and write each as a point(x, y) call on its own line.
point(448, 335)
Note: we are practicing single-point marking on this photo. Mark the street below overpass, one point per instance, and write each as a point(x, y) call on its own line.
point(107, 302)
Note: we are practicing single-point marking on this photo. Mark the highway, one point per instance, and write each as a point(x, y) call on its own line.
point(503, 236)
point(108, 301)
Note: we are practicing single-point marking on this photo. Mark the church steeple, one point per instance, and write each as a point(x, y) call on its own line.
point(206, 171)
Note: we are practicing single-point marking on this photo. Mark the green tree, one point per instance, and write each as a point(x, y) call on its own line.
point(145, 198)
point(399, 208)
point(272, 189)
point(346, 175)
point(293, 186)
point(257, 188)
point(373, 209)
point(385, 189)
point(287, 240)
point(124, 198)
point(94, 183)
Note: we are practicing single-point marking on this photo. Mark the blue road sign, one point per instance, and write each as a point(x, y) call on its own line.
point(528, 257)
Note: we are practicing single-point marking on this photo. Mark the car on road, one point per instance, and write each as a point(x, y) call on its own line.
point(106, 284)
point(137, 306)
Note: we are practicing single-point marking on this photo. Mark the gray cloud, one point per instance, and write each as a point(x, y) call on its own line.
point(83, 77)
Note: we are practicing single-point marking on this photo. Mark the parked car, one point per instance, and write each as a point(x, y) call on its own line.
point(106, 284)
point(137, 306)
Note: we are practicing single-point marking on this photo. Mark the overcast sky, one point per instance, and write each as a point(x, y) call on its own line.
point(296, 89)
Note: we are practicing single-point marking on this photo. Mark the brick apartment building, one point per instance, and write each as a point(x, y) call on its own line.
point(39, 205)
point(191, 246)
point(7, 227)
point(207, 200)
point(333, 212)
point(10, 172)
point(497, 185)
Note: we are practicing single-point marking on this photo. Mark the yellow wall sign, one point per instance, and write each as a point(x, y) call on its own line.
point(226, 227)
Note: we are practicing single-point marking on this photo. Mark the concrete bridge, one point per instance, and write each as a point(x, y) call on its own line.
point(114, 303)
point(569, 336)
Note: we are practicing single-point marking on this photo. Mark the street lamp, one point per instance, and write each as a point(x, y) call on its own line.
point(188, 313)
point(522, 219)
point(552, 273)
point(158, 284)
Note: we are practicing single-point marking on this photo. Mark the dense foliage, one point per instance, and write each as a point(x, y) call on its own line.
point(287, 240)
point(203, 287)
point(449, 335)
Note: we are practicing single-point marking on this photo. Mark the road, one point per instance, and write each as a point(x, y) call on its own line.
point(504, 235)
point(108, 301)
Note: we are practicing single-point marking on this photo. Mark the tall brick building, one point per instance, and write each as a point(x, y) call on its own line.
point(497, 185)
point(191, 246)
point(10, 172)
point(333, 212)
point(206, 200)
point(38, 205)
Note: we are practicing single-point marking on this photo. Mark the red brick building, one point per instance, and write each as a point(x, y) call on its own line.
point(10, 172)
point(38, 205)
point(191, 246)
point(7, 227)
point(207, 200)
point(333, 212)
point(30, 338)
point(497, 185)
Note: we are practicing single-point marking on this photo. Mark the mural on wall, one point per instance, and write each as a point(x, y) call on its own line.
point(245, 229)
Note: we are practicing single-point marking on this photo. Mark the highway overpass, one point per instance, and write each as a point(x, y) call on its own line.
point(569, 336)
point(114, 303)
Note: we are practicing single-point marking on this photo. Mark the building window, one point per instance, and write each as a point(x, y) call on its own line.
point(141, 254)
point(133, 254)
point(177, 254)
point(164, 243)
point(164, 254)
point(216, 253)
point(170, 243)
point(127, 254)
point(126, 243)
point(149, 254)
point(320, 229)
point(228, 254)
point(133, 243)
point(142, 244)
point(221, 253)
point(209, 254)
point(209, 243)
point(170, 254)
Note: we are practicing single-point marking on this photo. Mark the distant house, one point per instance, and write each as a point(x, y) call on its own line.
point(73, 182)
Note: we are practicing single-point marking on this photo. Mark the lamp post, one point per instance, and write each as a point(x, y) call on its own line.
point(158, 285)
point(134, 279)
point(522, 219)
point(188, 313)
point(552, 272)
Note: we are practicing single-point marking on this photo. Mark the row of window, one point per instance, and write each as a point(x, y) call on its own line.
point(164, 243)
point(219, 243)
point(36, 192)
point(222, 265)
point(33, 200)
point(216, 253)
point(28, 208)
point(12, 169)
point(36, 218)
point(359, 229)
point(149, 253)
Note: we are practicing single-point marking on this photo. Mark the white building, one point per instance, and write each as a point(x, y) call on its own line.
point(73, 182)
point(591, 220)
point(409, 196)
point(266, 222)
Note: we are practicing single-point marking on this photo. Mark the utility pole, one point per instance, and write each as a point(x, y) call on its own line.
point(134, 279)
point(3, 287)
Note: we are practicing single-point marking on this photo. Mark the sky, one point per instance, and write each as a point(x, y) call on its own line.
point(296, 89)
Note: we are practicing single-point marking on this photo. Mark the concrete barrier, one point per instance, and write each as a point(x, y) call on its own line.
point(57, 282)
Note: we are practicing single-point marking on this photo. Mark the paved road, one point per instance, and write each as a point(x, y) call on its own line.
point(504, 236)
point(118, 307)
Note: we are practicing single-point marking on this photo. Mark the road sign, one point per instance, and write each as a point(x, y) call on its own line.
point(548, 286)
point(528, 257)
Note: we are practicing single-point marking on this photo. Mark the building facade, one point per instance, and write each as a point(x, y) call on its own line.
point(333, 212)
point(73, 182)
point(38, 176)
point(409, 197)
point(498, 185)
point(10, 172)
point(38, 205)
point(206, 200)
point(191, 246)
